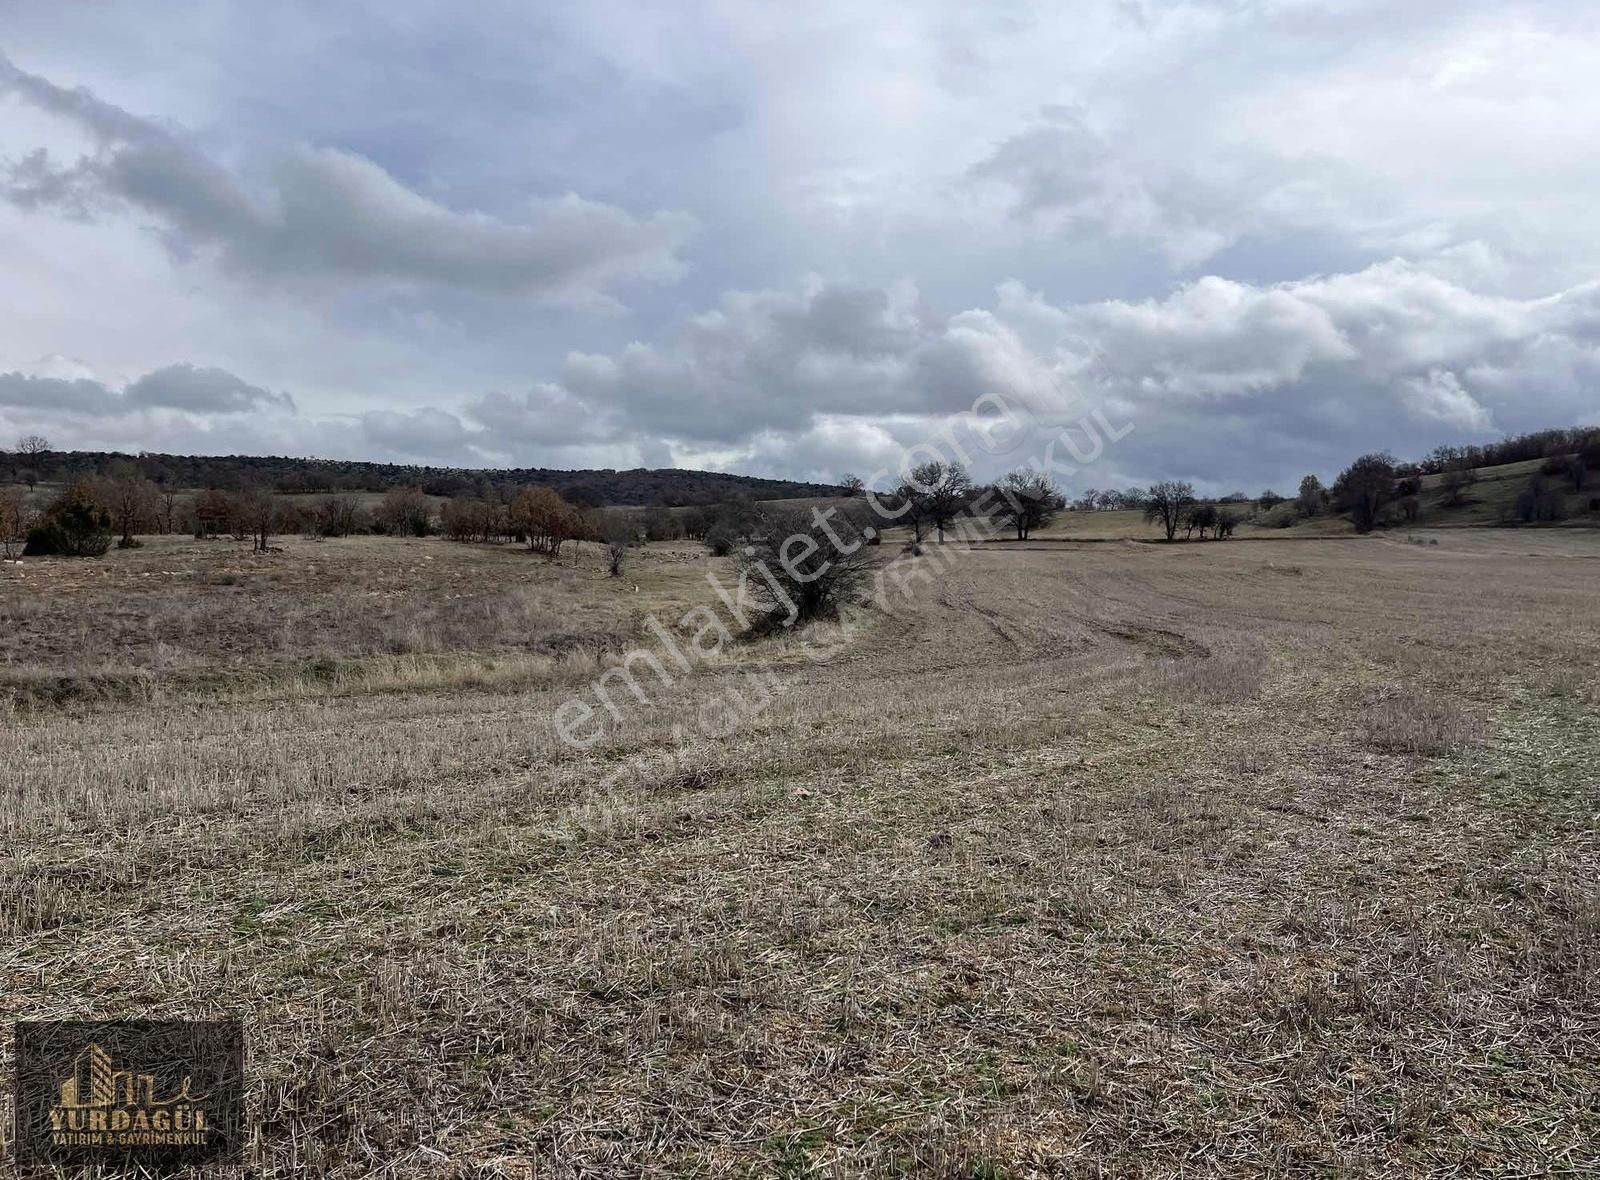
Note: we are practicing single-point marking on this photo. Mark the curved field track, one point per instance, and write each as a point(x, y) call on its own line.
point(1064, 860)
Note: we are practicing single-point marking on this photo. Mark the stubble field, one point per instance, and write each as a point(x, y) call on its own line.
point(1238, 858)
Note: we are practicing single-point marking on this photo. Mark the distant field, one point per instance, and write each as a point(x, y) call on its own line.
point(1222, 859)
point(354, 613)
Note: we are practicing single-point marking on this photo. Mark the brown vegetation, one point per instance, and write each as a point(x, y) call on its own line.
point(1075, 860)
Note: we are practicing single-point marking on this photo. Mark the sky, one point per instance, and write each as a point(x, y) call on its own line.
point(1260, 237)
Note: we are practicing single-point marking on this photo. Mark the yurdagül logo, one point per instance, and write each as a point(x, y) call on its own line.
point(165, 1092)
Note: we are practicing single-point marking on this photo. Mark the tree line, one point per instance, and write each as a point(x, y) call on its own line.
point(91, 512)
point(33, 461)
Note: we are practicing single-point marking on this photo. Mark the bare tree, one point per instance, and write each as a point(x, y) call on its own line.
point(461, 518)
point(213, 513)
point(131, 501)
point(1167, 502)
point(937, 492)
point(1199, 516)
point(405, 513)
point(169, 509)
point(16, 518)
point(1455, 483)
point(258, 516)
point(338, 515)
point(540, 514)
point(660, 524)
point(1026, 500)
point(31, 446)
point(619, 532)
point(853, 485)
point(1539, 501)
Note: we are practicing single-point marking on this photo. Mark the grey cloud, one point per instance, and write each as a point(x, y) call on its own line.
point(58, 395)
point(203, 391)
point(329, 213)
point(548, 415)
point(1061, 164)
point(416, 433)
point(1064, 175)
point(1389, 356)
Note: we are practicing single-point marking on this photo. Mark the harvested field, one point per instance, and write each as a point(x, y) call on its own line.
point(1100, 859)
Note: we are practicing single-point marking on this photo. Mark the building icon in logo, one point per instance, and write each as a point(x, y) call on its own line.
point(96, 1084)
point(125, 1090)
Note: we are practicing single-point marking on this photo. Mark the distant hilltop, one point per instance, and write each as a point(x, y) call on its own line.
point(640, 487)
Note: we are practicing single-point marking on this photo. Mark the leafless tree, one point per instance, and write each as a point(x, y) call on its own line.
point(619, 532)
point(338, 515)
point(130, 499)
point(214, 512)
point(1026, 500)
point(853, 485)
point(937, 492)
point(258, 514)
point(30, 446)
point(405, 513)
point(1167, 503)
point(463, 518)
point(1539, 501)
point(1455, 483)
point(169, 509)
point(16, 518)
point(540, 514)
point(1199, 516)
point(661, 525)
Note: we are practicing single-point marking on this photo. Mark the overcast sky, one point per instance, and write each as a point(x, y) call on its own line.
point(792, 239)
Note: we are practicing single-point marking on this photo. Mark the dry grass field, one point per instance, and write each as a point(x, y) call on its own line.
point(1080, 860)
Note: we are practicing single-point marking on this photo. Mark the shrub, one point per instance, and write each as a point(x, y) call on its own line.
point(406, 513)
point(76, 525)
point(796, 569)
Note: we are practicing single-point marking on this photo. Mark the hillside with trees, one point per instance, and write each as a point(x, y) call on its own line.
point(33, 462)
